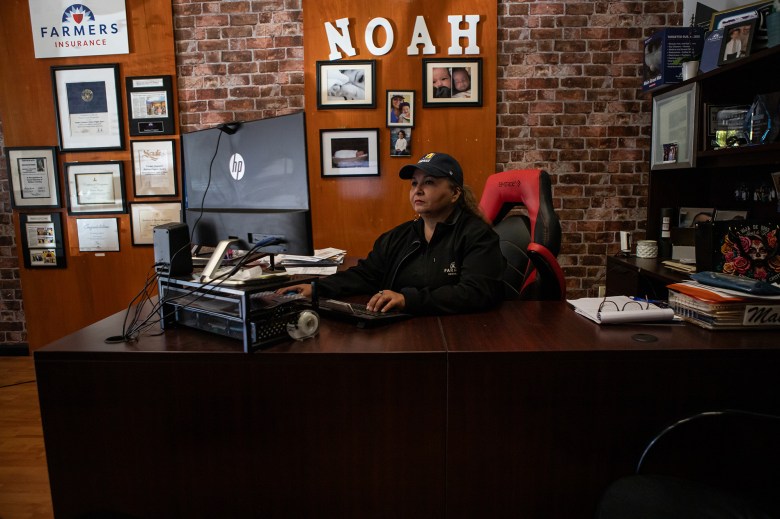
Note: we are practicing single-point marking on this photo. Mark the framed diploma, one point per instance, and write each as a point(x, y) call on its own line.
point(150, 105)
point(95, 187)
point(87, 107)
point(33, 174)
point(154, 168)
point(98, 234)
point(41, 238)
point(146, 216)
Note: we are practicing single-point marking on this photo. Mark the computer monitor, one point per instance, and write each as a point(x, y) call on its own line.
point(249, 181)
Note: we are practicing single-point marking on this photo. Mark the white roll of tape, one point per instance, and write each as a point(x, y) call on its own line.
point(306, 326)
point(646, 249)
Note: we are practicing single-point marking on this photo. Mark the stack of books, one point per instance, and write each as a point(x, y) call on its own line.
point(722, 309)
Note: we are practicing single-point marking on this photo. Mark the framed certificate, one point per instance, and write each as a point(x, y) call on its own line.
point(146, 216)
point(154, 168)
point(150, 105)
point(33, 175)
point(41, 238)
point(87, 107)
point(95, 187)
point(98, 234)
point(675, 123)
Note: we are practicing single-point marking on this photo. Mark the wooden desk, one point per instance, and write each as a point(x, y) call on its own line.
point(546, 408)
point(351, 422)
point(525, 411)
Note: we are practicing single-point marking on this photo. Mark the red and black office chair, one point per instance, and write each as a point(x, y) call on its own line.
point(529, 243)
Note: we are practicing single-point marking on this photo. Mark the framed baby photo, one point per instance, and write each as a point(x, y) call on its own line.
point(737, 39)
point(346, 84)
point(400, 108)
point(350, 153)
point(452, 82)
point(400, 142)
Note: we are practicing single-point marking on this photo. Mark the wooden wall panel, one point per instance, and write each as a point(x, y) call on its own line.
point(350, 213)
point(93, 286)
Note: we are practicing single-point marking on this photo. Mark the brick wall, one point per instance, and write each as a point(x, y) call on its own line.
point(569, 101)
point(12, 324)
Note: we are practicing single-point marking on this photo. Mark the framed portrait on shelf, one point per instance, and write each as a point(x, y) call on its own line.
point(154, 168)
point(452, 82)
point(87, 107)
point(144, 217)
point(675, 123)
point(98, 234)
point(95, 187)
point(737, 39)
point(757, 11)
point(42, 242)
point(346, 84)
point(400, 108)
point(150, 105)
point(350, 153)
point(400, 142)
point(33, 175)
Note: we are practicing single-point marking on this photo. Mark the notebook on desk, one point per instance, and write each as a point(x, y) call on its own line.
point(357, 313)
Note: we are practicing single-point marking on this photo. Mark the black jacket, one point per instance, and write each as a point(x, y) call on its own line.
point(458, 271)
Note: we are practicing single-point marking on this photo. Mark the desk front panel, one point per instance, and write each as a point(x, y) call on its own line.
point(352, 424)
point(545, 408)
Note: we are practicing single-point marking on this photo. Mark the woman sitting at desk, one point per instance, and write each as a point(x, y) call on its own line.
point(447, 260)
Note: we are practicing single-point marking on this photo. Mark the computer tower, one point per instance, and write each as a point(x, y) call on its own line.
point(172, 253)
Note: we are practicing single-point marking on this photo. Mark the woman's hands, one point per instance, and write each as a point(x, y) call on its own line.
point(304, 290)
point(386, 300)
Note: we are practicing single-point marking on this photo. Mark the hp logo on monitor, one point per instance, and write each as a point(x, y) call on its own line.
point(236, 166)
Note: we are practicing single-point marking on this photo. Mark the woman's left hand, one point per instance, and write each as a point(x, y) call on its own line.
point(386, 300)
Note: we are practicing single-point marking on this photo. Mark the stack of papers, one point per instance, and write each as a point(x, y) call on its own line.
point(620, 309)
point(323, 263)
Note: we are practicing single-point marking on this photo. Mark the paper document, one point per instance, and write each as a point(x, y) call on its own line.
point(620, 309)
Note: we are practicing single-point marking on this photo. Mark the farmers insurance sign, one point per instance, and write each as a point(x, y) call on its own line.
point(61, 28)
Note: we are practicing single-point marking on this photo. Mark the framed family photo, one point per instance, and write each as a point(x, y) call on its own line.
point(95, 187)
point(737, 40)
point(154, 168)
point(350, 153)
point(400, 142)
point(452, 82)
point(33, 175)
point(346, 84)
point(400, 108)
point(87, 107)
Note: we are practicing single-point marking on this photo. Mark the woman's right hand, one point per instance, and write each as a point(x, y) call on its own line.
point(304, 290)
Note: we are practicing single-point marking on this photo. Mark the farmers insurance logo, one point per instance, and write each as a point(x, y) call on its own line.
point(78, 30)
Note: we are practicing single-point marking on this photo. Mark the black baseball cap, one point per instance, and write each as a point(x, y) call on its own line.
point(436, 165)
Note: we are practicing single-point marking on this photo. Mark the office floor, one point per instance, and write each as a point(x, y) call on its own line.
point(24, 480)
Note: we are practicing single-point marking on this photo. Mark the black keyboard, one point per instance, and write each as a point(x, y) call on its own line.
point(357, 313)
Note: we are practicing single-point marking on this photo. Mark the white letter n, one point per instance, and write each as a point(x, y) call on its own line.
point(339, 39)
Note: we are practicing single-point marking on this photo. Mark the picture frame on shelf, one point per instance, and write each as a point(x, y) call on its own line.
point(144, 217)
point(42, 240)
point(86, 99)
point(400, 108)
point(690, 216)
point(346, 84)
point(150, 106)
point(98, 234)
point(675, 120)
point(725, 214)
point(33, 173)
point(737, 40)
point(154, 168)
point(95, 187)
point(452, 82)
point(350, 153)
point(757, 11)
